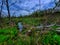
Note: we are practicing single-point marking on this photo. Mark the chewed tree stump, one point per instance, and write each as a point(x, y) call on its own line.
point(20, 26)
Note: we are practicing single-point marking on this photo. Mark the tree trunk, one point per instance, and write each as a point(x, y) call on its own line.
point(7, 5)
point(1, 10)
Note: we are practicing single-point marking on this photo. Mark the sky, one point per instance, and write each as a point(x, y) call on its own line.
point(25, 7)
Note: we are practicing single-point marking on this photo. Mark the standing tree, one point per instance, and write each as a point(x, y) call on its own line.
point(1, 7)
point(57, 3)
point(7, 5)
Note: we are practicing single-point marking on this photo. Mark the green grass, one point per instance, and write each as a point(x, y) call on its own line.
point(7, 34)
point(33, 21)
point(10, 36)
point(54, 27)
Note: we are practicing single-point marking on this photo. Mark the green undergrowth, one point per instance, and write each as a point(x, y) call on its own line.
point(10, 36)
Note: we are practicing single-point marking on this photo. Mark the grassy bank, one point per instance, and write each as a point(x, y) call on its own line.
point(10, 35)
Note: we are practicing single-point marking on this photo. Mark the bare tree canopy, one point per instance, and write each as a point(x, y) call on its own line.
point(1, 6)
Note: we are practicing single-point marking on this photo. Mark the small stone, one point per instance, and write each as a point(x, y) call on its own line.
point(29, 30)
